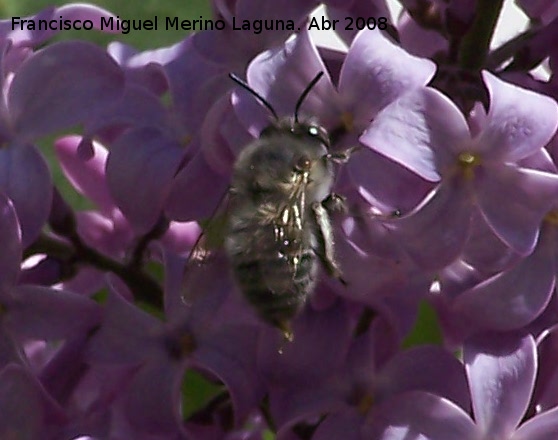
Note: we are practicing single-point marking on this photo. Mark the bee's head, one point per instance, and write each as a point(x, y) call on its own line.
point(288, 151)
point(305, 131)
point(301, 129)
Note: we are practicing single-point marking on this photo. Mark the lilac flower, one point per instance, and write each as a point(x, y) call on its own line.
point(501, 370)
point(482, 172)
point(82, 79)
point(363, 381)
point(158, 353)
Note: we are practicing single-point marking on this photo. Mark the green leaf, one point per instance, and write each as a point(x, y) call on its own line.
point(197, 392)
point(427, 328)
point(268, 435)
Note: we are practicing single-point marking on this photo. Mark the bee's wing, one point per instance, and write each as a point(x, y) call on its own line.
point(205, 263)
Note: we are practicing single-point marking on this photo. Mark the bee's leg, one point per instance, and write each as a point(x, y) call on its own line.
point(325, 245)
point(335, 203)
point(342, 156)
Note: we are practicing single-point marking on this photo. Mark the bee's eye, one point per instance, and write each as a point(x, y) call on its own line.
point(303, 163)
point(319, 133)
point(313, 131)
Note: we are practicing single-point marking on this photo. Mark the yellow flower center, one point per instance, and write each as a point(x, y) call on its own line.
point(348, 120)
point(467, 162)
point(365, 403)
point(552, 217)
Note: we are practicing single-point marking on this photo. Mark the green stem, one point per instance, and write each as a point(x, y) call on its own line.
point(475, 45)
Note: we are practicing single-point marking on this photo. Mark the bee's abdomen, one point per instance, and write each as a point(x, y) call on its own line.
point(275, 279)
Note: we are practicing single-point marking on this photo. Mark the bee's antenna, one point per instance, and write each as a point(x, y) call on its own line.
point(259, 97)
point(305, 94)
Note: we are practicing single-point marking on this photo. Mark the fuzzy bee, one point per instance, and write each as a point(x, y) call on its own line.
point(278, 226)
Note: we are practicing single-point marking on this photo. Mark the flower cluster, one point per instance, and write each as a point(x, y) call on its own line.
point(451, 222)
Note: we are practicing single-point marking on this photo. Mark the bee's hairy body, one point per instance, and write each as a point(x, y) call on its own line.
point(278, 227)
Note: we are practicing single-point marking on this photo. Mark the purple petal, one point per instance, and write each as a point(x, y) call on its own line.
point(341, 9)
point(87, 177)
point(419, 415)
point(180, 237)
point(137, 107)
point(389, 274)
point(21, 35)
point(43, 313)
point(540, 160)
point(422, 131)
point(10, 237)
point(62, 85)
point(435, 233)
point(152, 402)
point(501, 370)
point(25, 179)
point(250, 10)
point(342, 425)
point(25, 408)
point(195, 82)
point(129, 56)
point(84, 11)
point(280, 75)
point(543, 10)
point(230, 355)
point(314, 335)
point(515, 297)
point(126, 335)
point(144, 70)
point(418, 40)
point(298, 404)
point(11, 352)
point(223, 134)
point(513, 201)
point(427, 368)
point(376, 72)
point(543, 426)
point(379, 179)
point(245, 44)
point(485, 251)
point(140, 168)
point(86, 282)
point(196, 192)
point(546, 388)
point(519, 123)
point(104, 234)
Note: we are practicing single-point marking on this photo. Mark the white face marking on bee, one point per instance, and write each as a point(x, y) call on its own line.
point(285, 216)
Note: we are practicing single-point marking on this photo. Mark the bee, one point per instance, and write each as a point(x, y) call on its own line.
point(278, 229)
